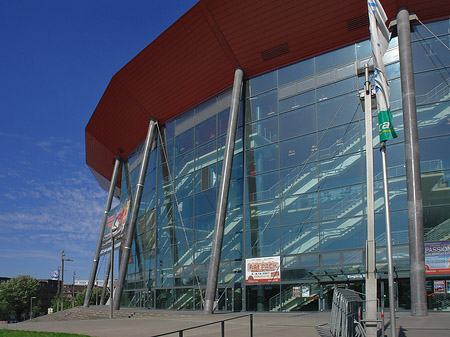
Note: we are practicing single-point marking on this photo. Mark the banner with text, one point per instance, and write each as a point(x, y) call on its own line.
point(437, 257)
point(262, 270)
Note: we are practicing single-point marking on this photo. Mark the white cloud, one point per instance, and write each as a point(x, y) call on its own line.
point(44, 145)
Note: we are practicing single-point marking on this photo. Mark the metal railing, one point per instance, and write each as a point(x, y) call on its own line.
point(221, 322)
point(345, 313)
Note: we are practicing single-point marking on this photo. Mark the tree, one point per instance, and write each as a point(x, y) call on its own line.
point(15, 296)
point(79, 299)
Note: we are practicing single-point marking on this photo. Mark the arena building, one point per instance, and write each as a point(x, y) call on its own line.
point(296, 201)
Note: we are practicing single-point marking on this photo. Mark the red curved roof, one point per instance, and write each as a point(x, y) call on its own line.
point(195, 58)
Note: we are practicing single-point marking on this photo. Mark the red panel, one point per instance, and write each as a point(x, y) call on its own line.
point(194, 59)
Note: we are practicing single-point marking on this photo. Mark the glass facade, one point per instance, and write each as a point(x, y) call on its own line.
point(297, 188)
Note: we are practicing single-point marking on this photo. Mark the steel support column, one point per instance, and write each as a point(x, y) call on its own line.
point(412, 161)
point(134, 215)
point(105, 281)
point(216, 249)
point(112, 186)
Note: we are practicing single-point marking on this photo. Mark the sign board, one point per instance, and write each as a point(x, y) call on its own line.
point(262, 270)
point(107, 247)
point(306, 291)
point(439, 287)
point(115, 226)
point(437, 257)
point(55, 274)
point(302, 291)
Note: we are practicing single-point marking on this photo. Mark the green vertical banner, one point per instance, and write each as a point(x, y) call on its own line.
point(385, 126)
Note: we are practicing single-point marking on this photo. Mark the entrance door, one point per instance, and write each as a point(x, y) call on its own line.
point(225, 296)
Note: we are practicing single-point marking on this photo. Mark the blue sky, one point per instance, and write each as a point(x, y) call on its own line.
point(57, 58)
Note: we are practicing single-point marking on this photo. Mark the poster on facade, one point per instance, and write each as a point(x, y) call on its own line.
point(437, 257)
point(115, 225)
point(262, 270)
point(439, 287)
point(296, 292)
point(306, 291)
point(118, 225)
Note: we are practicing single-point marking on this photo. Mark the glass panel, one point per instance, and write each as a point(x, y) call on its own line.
point(204, 225)
point(340, 171)
point(237, 171)
point(263, 83)
point(263, 243)
point(299, 150)
point(437, 149)
point(166, 152)
point(185, 208)
point(262, 106)
point(339, 141)
point(234, 220)
point(205, 202)
point(298, 101)
point(232, 248)
point(434, 119)
point(203, 252)
point(432, 86)
point(263, 186)
point(205, 131)
point(301, 238)
point(262, 159)
point(165, 214)
point(337, 88)
point(205, 155)
point(184, 142)
point(363, 49)
point(299, 209)
point(436, 217)
point(150, 182)
point(431, 54)
point(335, 58)
point(263, 214)
point(399, 228)
point(342, 234)
point(262, 133)
point(330, 258)
point(184, 186)
point(299, 179)
point(296, 71)
point(341, 202)
point(437, 27)
point(184, 164)
point(397, 193)
point(298, 122)
point(236, 193)
point(223, 122)
point(339, 110)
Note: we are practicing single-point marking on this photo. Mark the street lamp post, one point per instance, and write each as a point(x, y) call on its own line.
point(73, 290)
point(31, 306)
point(57, 293)
point(62, 278)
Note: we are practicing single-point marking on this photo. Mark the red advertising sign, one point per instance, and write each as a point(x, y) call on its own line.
point(262, 270)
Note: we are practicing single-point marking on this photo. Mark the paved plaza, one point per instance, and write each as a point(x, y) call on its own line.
point(152, 322)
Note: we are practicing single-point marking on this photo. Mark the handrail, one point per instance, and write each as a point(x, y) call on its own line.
point(222, 323)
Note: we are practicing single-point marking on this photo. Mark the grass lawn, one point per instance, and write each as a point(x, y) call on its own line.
point(21, 333)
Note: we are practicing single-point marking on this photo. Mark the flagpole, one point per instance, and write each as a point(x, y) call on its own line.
point(388, 241)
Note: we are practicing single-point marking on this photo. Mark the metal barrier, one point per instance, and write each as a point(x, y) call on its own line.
point(345, 314)
point(222, 327)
